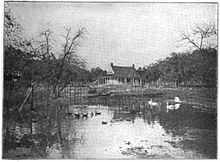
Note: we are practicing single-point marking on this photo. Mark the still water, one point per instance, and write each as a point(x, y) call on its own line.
point(128, 128)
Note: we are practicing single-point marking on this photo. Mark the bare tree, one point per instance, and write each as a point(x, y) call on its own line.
point(70, 46)
point(42, 50)
point(54, 71)
point(199, 35)
point(46, 44)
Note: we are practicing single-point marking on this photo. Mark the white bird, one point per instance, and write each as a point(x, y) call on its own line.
point(151, 103)
point(176, 99)
point(172, 107)
point(177, 106)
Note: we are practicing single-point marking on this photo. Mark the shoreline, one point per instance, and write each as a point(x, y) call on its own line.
point(200, 96)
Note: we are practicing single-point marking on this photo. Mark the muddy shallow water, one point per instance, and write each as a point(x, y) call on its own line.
point(129, 128)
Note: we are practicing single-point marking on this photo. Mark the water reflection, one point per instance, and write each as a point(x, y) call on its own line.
point(127, 127)
point(124, 127)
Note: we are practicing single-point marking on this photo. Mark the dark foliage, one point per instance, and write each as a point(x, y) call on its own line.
point(196, 68)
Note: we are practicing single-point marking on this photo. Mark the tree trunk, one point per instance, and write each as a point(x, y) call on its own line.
point(59, 126)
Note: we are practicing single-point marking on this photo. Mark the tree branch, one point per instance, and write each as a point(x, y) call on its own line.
point(198, 35)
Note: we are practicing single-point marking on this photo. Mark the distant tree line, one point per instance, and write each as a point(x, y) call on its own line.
point(186, 69)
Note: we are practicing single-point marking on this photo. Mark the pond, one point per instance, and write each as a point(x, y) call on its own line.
point(128, 128)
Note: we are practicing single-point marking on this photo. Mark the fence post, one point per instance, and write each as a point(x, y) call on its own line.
point(70, 93)
point(32, 105)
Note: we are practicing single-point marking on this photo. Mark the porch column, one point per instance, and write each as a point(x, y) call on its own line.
point(140, 81)
point(125, 80)
point(133, 81)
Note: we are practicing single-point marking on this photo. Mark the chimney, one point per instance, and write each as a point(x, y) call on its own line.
point(133, 65)
point(111, 64)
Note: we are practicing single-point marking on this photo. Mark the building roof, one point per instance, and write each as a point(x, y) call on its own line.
point(125, 72)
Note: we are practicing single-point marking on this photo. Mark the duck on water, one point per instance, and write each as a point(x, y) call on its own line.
point(98, 113)
point(77, 115)
point(85, 115)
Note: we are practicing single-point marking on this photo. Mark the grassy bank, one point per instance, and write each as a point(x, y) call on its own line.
point(205, 97)
point(202, 96)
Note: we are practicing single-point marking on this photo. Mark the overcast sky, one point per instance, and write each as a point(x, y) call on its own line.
point(122, 33)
